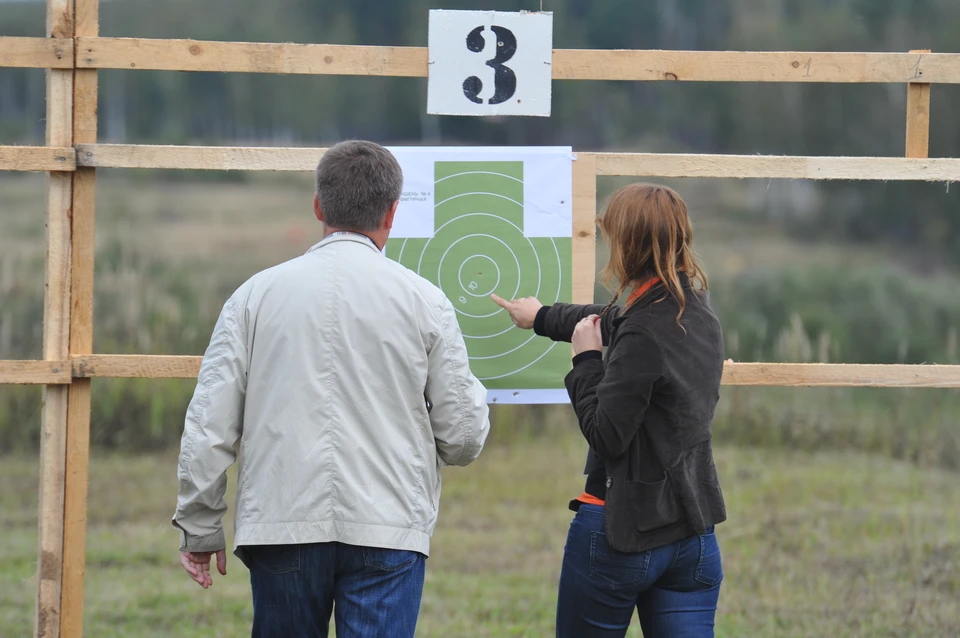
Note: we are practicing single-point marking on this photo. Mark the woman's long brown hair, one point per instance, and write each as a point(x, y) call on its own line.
point(648, 231)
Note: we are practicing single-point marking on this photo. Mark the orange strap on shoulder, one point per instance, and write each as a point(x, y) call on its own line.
point(639, 292)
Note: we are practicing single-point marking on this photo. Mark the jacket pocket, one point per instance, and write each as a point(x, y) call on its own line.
point(651, 505)
point(276, 559)
point(388, 560)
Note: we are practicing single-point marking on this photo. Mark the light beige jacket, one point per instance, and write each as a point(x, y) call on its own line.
point(318, 372)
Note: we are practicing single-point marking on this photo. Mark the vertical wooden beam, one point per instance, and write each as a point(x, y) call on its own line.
point(918, 116)
point(56, 335)
point(86, 23)
point(584, 227)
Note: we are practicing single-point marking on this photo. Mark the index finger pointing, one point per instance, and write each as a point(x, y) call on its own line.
point(503, 303)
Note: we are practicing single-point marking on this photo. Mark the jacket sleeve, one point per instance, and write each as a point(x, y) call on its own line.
point(459, 415)
point(211, 430)
point(558, 321)
point(610, 401)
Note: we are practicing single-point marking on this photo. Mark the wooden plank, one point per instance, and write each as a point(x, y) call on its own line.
point(754, 66)
point(584, 227)
point(86, 23)
point(118, 366)
point(637, 164)
point(841, 375)
point(918, 117)
point(37, 158)
point(36, 53)
point(221, 158)
point(35, 372)
point(250, 57)
point(568, 64)
point(744, 374)
point(56, 337)
point(784, 167)
point(76, 479)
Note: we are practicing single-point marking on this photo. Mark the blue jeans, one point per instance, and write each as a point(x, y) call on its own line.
point(375, 592)
point(674, 588)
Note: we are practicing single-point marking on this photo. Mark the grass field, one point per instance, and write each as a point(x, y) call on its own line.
point(816, 545)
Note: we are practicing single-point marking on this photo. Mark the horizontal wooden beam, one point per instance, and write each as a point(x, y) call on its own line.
point(36, 53)
point(776, 166)
point(118, 366)
point(568, 64)
point(250, 57)
point(841, 375)
point(34, 372)
point(637, 164)
point(754, 66)
point(743, 374)
point(37, 158)
point(734, 373)
point(219, 158)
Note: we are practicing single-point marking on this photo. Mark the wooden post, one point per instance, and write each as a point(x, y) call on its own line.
point(86, 23)
point(918, 116)
point(56, 335)
point(584, 227)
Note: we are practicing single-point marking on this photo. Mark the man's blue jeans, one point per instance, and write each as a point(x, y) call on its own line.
point(373, 591)
point(674, 588)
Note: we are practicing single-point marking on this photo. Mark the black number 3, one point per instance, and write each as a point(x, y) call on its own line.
point(504, 79)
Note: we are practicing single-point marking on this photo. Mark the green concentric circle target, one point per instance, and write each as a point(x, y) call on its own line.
point(478, 249)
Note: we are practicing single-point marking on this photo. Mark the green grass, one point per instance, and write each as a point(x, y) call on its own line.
point(816, 545)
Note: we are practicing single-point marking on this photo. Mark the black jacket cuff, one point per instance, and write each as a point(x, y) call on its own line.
point(588, 355)
point(540, 320)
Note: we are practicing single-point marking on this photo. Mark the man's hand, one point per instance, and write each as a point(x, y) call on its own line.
point(586, 336)
point(197, 565)
point(522, 311)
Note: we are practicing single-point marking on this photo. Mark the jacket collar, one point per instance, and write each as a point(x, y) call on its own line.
point(345, 236)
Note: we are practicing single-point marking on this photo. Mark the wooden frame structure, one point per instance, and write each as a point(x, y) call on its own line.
point(72, 53)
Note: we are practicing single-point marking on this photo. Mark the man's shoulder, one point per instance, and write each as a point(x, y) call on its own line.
point(281, 271)
point(391, 275)
point(426, 289)
point(256, 284)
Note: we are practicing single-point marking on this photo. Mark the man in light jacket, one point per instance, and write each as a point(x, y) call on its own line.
point(342, 380)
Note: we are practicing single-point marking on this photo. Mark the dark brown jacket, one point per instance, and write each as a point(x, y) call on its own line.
point(646, 410)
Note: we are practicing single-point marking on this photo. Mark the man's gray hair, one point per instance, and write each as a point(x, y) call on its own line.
point(357, 182)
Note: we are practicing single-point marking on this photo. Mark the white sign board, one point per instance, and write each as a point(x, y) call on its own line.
point(490, 63)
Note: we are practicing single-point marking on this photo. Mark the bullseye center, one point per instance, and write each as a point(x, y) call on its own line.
point(479, 275)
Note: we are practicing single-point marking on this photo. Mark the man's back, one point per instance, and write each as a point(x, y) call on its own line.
point(336, 434)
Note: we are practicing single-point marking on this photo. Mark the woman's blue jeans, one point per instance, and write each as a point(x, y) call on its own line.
point(674, 588)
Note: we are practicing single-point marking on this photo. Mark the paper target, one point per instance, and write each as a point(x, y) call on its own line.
point(479, 247)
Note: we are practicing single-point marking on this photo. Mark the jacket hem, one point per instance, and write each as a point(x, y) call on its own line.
point(642, 541)
point(329, 531)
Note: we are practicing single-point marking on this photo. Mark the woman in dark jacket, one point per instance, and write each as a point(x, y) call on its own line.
point(643, 536)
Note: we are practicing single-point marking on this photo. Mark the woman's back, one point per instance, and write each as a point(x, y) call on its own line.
point(650, 433)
